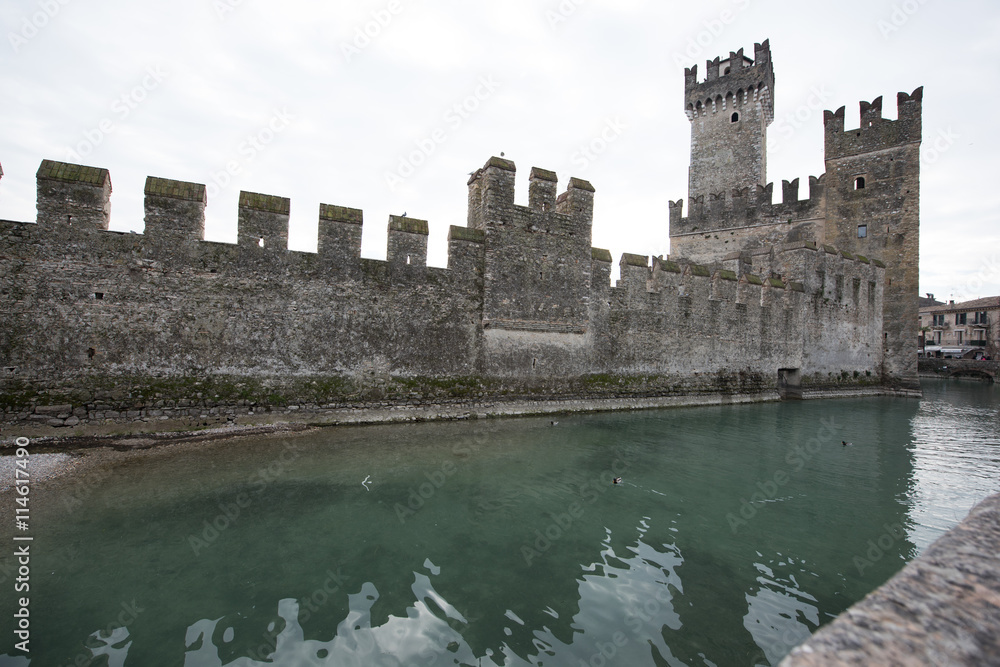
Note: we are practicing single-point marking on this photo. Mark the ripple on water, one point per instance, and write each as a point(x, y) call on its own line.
point(737, 532)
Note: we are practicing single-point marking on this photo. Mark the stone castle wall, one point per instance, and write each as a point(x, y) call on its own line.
point(102, 326)
point(866, 204)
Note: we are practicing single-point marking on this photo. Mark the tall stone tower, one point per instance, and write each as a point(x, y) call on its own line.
point(729, 112)
point(873, 209)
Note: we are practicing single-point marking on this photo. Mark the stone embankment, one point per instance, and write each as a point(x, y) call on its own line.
point(942, 609)
point(953, 368)
point(66, 425)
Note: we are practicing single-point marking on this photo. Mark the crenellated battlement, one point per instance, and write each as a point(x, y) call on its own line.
point(77, 199)
point(746, 208)
point(784, 277)
point(865, 204)
point(754, 296)
point(731, 83)
point(524, 249)
point(491, 190)
point(729, 112)
point(875, 132)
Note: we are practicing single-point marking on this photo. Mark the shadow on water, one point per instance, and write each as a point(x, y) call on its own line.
point(735, 533)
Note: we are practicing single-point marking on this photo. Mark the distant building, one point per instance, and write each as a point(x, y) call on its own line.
point(969, 329)
point(928, 301)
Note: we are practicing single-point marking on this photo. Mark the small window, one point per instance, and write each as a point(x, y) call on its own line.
point(859, 183)
point(959, 318)
point(260, 242)
point(98, 295)
point(862, 231)
point(725, 71)
point(735, 117)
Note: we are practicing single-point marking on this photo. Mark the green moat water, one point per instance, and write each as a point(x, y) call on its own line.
point(735, 533)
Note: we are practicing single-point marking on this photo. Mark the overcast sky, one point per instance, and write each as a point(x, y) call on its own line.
point(387, 105)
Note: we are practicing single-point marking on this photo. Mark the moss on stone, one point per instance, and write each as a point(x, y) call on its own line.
point(699, 270)
point(265, 203)
point(601, 255)
point(629, 259)
point(72, 173)
point(165, 187)
point(537, 173)
point(334, 213)
point(398, 223)
point(456, 233)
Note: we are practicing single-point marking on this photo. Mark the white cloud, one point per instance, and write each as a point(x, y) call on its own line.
point(558, 85)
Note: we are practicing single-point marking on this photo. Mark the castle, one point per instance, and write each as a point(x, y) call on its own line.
point(756, 299)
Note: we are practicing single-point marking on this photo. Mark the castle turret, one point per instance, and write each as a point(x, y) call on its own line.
point(873, 209)
point(729, 112)
point(537, 258)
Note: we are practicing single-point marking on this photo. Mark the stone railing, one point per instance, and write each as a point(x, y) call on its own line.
point(958, 368)
point(943, 608)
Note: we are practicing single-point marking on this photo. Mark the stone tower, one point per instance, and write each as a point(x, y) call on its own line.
point(729, 112)
point(873, 209)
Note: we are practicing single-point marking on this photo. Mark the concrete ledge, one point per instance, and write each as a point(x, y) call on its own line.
point(941, 609)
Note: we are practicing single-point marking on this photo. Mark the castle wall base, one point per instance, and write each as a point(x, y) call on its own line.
point(111, 417)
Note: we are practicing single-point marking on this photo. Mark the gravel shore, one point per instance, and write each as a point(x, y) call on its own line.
point(50, 472)
point(41, 468)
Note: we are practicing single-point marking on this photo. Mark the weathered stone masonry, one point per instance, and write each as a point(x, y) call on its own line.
point(866, 204)
point(100, 326)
